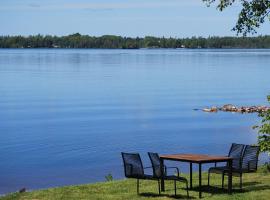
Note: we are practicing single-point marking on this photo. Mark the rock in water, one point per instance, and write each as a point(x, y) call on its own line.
point(212, 109)
point(229, 107)
point(22, 190)
point(232, 108)
point(206, 110)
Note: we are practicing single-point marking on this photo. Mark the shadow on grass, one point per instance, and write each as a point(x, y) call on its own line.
point(247, 187)
point(252, 186)
point(178, 196)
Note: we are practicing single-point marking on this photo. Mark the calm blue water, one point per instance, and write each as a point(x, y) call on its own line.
point(65, 115)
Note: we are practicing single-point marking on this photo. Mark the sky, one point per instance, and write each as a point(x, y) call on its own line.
point(131, 18)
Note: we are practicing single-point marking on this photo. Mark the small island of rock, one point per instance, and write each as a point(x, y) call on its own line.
point(242, 109)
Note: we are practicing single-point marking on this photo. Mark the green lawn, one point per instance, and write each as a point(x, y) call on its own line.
point(256, 186)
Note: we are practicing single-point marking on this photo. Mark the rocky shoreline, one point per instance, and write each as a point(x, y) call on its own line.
point(242, 109)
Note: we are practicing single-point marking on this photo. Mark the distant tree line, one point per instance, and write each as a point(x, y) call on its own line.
point(117, 42)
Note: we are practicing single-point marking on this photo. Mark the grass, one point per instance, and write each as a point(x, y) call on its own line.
point(255, 186)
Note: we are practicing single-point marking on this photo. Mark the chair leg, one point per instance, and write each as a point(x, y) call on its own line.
point(241, 182)
point(223, 180)
point(138, 184)
point(187, 189)
point(208, 178)
point(175, 187)
point(158, 187)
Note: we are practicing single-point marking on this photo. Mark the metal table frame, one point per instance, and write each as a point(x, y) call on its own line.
point(198, 159)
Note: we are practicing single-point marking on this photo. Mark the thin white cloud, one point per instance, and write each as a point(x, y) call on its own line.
point(33, 5)
point(105, 5)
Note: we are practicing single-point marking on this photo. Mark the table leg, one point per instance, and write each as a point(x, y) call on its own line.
point(230, 178)
point(162, 174)
point(200, 180)
point(190, 175)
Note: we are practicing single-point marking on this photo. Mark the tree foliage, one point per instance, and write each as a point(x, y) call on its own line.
point(251, 16)
point(117, 42)
point(264, 131)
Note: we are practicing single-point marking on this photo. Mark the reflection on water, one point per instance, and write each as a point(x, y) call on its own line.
point(65, 115)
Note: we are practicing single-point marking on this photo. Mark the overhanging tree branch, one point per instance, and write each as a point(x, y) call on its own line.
point(251, 16)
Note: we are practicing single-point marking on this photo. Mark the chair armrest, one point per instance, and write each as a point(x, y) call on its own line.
point(177, 170)
point(130, 166)
point(147, 168)
point(216, 164)
point(239, 160)
point(252, 165)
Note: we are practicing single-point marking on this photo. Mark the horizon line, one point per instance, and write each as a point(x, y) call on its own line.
point(174, 37)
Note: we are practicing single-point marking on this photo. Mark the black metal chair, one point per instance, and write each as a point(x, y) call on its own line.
point(134, 169)
point(249, 163)
point(235, 152)
point(157, 172)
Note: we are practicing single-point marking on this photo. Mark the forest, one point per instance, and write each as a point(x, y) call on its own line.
point(117, 42)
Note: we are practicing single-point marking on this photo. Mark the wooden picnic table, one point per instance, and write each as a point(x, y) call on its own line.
point(198, 159)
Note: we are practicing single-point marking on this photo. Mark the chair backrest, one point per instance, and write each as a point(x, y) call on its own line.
point(132, 165)
point(156, 165)
point(236, 152)
point(250, 158)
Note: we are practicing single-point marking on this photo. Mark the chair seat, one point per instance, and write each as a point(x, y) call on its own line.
point(172, 177)
point(218, 170)
point(225, 170)
point(176, 178)
point(149, 177)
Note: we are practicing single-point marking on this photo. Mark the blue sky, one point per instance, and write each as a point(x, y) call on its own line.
point(176, 18)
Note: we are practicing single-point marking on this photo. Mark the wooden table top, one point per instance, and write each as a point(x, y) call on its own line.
point(196, 158)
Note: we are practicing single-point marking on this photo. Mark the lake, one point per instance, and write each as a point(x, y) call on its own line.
point(66, 114)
